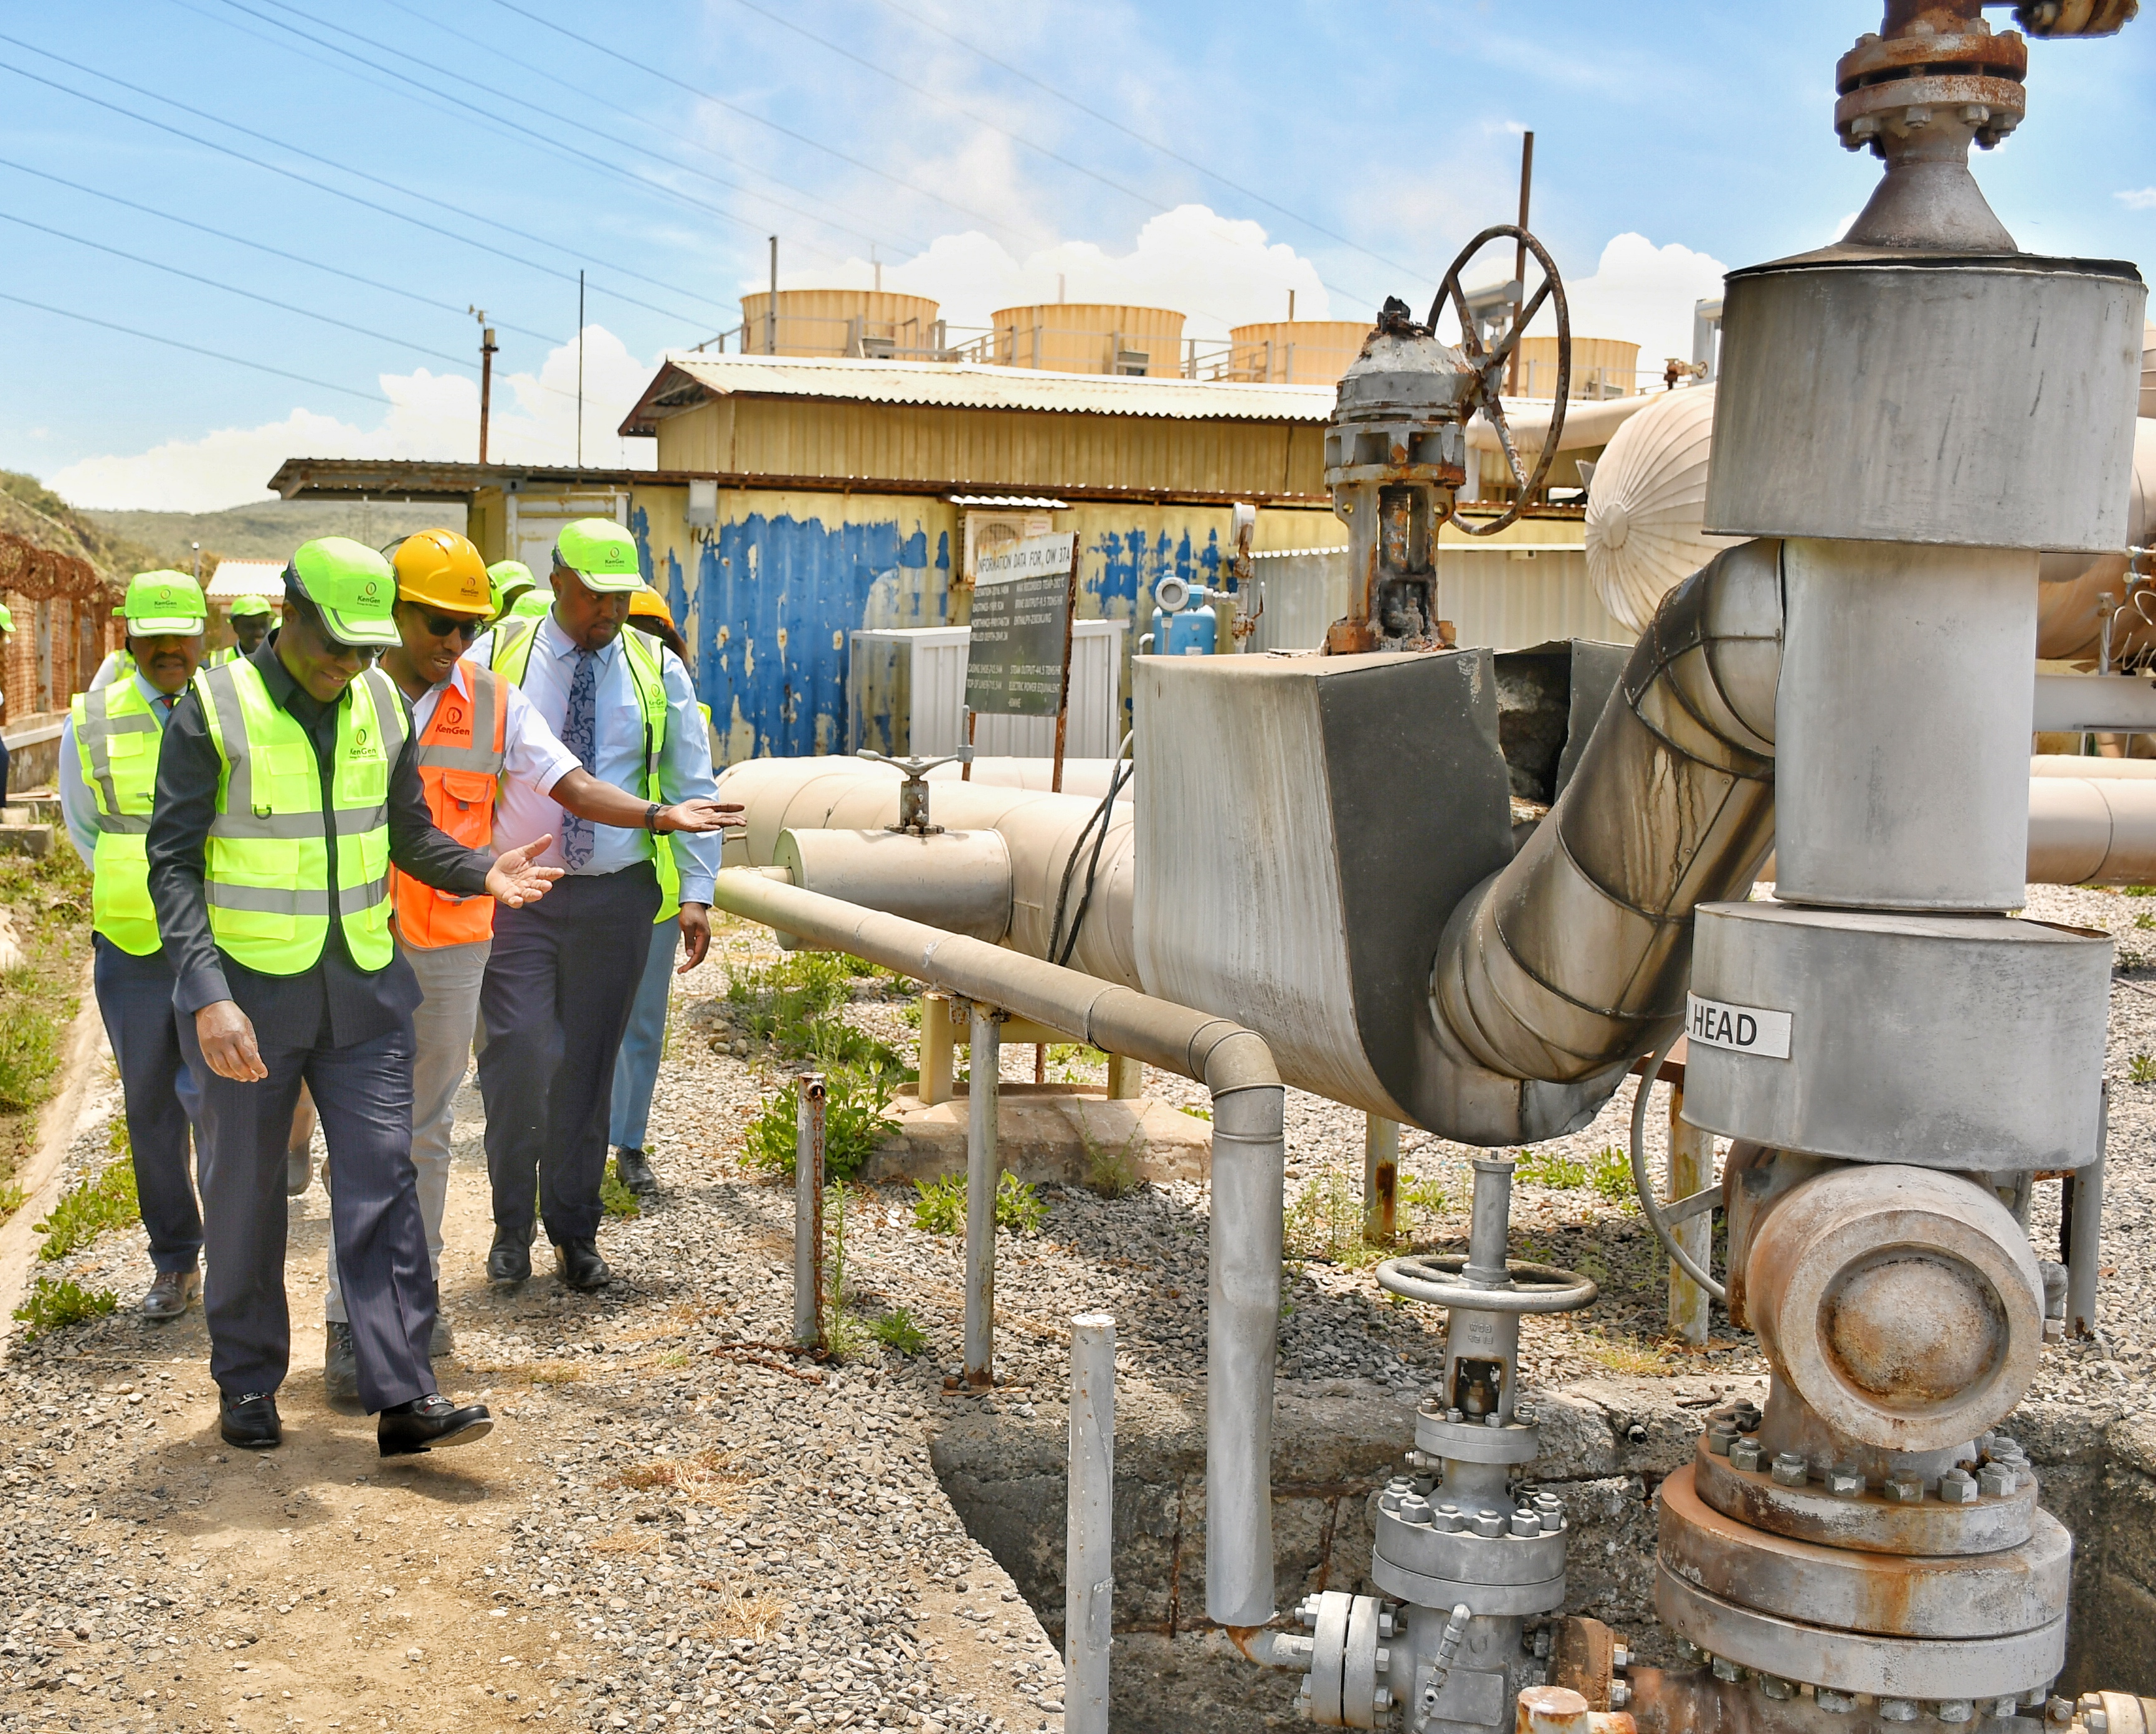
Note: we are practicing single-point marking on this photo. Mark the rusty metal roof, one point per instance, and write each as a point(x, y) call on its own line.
point(688, 379)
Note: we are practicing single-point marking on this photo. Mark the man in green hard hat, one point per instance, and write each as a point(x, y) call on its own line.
point(560, 978)
point(108, 775)
point(513, 583)
point(250, 624)
point(286, 787)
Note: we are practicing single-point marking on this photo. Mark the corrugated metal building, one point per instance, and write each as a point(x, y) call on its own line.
point(798, 501)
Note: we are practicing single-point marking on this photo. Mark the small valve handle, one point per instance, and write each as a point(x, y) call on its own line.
point(916, 768)
point(913, 793)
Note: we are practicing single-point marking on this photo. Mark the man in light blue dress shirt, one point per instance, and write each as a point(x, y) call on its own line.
point(564, 971)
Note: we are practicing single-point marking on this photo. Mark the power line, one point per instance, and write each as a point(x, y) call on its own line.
point(215, 355)
point(469, 111)
point(313, 264)
point(324, 187)
point(1151, 144)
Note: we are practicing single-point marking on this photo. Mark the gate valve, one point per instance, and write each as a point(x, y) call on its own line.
point(913, 793)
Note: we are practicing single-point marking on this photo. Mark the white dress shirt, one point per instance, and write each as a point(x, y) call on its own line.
point(530, 753)
point(685, 761)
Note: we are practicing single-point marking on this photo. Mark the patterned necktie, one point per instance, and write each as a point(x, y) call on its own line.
point(579, 733)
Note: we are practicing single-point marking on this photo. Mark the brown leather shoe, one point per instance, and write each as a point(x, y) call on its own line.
point(171, 1293)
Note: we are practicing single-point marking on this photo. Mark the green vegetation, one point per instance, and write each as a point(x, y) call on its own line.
point(87, 1210)
point(896, 1331)
point(939, 1206)
point(52, 1302)
point(1426, 1198)
point(50, 902)
point(2144, 920)
point(854, 1124)
point(1196, 1112)
point(1547, 1167)
point(844, 1336)
point(1324, 1223)
point(616, 1199)
point(2141, 1069)
point(1111, 1170)
point(1608, 1173)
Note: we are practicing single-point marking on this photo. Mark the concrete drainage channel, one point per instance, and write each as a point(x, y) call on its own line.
point(1606, 1446)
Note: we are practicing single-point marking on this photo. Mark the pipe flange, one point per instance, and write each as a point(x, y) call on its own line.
point(1458, 1556)
point(1902, 1303)
point(1536, 1288)
point(1866, 1520)
point(1495, 1599)
point(1876, 58)
point(1991, 107)
point(1845, 1661)
point(1474, 1441)
point(2016, 1589)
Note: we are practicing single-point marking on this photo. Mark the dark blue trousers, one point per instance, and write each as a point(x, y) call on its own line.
point(135, 998)
point(559, 984)
point(363, 1092)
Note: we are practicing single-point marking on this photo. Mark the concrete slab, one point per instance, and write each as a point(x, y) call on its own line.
point(35, 841)
point(1054, 1133)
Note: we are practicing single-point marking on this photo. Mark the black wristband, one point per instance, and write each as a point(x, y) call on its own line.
point(651, 818)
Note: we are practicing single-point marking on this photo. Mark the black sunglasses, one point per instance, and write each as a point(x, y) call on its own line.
point(441, 625)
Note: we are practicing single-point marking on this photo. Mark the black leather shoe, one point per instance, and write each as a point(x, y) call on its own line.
point(633, 1168)
point(430, 1423)
point(578, 1263)
point(340, 1363)
point(250, 1421)
point(509, 1259)
point(299, 1170)
point(171, 1293)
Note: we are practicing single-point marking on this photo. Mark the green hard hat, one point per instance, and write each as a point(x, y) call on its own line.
point(249, 605)
point(7, 619)
point(602, 553)
point(162, 604)
point(531, 605)
point(351, 585)
point(510, 579)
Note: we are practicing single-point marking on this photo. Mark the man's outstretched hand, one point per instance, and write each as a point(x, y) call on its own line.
point(514, 880)
point(699, 815)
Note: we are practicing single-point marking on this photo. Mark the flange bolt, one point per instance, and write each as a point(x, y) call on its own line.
point(1414, 1508)
point(1488, 1524)
point(1621, 1694)
point(1744, 1453)
point(1833, 1702)
point(1724, 1669)
point(1995, 1480)
point(1896, 1710)
point(1720, 1437)
point(1844, 1481)
point(1526, 1523)
point(1305, 1611)
point(1788, 1470)
point(1448, 1519)
point(1958, 1487)
point(1905, 1489)
point(1779, 1690)
point(1954, 1710)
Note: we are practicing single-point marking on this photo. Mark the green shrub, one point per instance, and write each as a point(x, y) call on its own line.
point(1111, 1170)
point(854, 1124)
point(1547, 1167)
point(2141, 1069)
point(616, 1199)
point(1325, 1221)
point(897, 1331)
point(939, 1206)
point(1426, 1196)
point(53, 1302)
point(87, 1210)
point(1610, 1178)
point(795, 1003)
point(29, 1043)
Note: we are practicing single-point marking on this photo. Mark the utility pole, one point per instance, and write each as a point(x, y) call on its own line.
point(771, 307)
point(1520, 261)
point(486, 353)
point(580, 370)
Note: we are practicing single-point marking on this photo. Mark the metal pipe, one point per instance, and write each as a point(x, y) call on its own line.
point(1381, 1178)
point(1489, 1215)
point(1575, 957)
point(1249, 1161)
point(1089, 1581)
point(808, 1212)
point(2085, 1219)
point(983, 1169)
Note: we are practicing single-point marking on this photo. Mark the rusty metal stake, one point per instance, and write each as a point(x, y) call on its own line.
point(808, 1213)
point(1381, 1178)
point(983, 1169)
point(1691, 1167)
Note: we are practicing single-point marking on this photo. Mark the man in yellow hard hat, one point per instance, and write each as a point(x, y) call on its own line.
point(560, 978)
point(288, 786)
point(108, 766)
point(474, 732)
point(249, 616)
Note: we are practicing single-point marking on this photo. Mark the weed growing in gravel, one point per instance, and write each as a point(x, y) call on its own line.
point(1196, 1112)
point(1111, 1170)
point(1610, 1178)
point(795, 1003)
point(616, 1199)
point(2144, 920)
point(897, 1331)
point(2141, 1069)
point(939, 1206)
point(1425, 1196)
point(49, 900)
point(87, 1210)
point(1548, 1168)
point(55, 1302)
point(843, 1334)
point(1325, 1222)
point(854, 1124)
point(1634, 1359)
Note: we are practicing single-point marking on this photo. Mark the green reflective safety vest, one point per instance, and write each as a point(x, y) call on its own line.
point(513, 658)
point(266, 869)
point(117, 735)
point(223, 654)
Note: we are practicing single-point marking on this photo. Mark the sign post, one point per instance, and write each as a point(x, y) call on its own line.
point(1018, 663)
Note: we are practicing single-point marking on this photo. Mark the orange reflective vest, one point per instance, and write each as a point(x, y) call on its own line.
point(459, 756)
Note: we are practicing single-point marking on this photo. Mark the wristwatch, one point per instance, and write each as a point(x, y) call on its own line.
point(651, 818)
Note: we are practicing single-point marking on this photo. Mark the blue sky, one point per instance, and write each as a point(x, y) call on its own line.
point(1205, 156)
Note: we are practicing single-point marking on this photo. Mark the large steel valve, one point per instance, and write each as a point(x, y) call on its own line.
point(1490, 363)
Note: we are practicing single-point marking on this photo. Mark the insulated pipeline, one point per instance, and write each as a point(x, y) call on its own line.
point(1574, 956)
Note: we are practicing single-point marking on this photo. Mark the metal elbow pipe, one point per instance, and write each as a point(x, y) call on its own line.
point(1574, 956)
point(1249, 1159)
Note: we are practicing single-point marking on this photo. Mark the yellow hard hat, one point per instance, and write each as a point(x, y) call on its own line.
point(444, 570)
point(651, 604)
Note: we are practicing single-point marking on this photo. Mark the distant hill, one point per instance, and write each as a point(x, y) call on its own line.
point(31, 510)
point(270, 530)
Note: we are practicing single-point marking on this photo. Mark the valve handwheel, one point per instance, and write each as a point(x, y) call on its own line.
point(1662, 1218)
point(1438, 1279)
point(1488, 364)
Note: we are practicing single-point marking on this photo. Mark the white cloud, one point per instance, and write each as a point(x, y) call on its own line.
point(1217, 271)
point(2140, 198)
point(430, 415)
point(1641, 294)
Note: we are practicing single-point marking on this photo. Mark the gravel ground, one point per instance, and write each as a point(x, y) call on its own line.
point(677, 1525)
